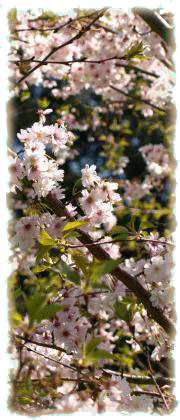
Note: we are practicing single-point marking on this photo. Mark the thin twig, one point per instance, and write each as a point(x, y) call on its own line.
point(43, 29)
point(83, 60)
point(70, 41)
point(121, 240)
point(99, 25)
point(155, 382)
point(146, 393)
point(137, 98)
point(50, 358)
point(137, 69)
point(144, 380)
point(37, 343)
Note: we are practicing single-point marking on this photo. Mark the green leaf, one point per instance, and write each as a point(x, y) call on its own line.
point(121, 231)
point(38, 309)
point(45, 239)
point(135, 50)
point(98, 285)
point(43, 252)
point(71, 275)
point(95, 356)
point(101, 268)
point(71, 234)
point(74, 225)
point(141, 57)
point(16, 318)
point(102, 354)
point(124, 311)
point(146, 225)
point(43, 103)
point(33, 304)
point(162, 212)
point(92, 344)
point(47, 312)
point(40, 268)
point(81, 262)
point(92, 355)
point(25, 95)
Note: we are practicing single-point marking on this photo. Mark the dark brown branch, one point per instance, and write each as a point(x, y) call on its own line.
point(156, 241)
point(55, 29)
point(142, 380)
point(43, 29)
point(83, 60)
point(50, 358)
point(146, 393)
point(106, 29)
point(131, 282)
point(37, 343)
point(137, 98)
point(137, 69)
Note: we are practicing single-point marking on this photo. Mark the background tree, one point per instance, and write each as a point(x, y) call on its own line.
point(91, 128)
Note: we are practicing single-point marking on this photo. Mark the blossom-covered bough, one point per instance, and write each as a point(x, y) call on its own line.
point(90, 320)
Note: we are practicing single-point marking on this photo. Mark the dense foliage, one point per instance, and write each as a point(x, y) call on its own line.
point(91, 117)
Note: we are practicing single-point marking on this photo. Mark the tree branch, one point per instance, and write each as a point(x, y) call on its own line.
point(37, 343)
point(74, 38)
point(141, 380)
point(131, 282)
point(128, 66)
point(137, 98)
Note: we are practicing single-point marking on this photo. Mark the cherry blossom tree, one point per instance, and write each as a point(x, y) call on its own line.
point(92, 311)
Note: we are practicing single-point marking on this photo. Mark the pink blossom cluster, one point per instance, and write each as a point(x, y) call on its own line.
point(157, 160)
point(42, 172)
point(98, 198)
point(86, 314)
point(97, 59)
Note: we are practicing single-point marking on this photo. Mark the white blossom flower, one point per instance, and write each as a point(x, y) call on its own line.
point(161, 296)
point(155, 247)
point(43, 186)
point(157, 159)
point(119, 388)
point(105, 191)
point(88, 201)
point(35, 165)
point(54, 172)
point(72, 210)
point(58, 193)
point(55, 227)
point(27, 230)
point(59, 137)
point(17, 172)
point(133, 267)
point(110, 248)
point(136, 190)
point(42, 114)
point(65, 334)
point(101, 213)
point(34, 147)
point(156, 270)
point(89, 176)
